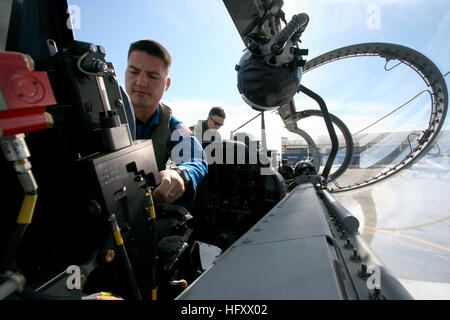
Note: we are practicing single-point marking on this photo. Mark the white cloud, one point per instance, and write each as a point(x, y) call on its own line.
point(347, 103)
point(190, 111)
point(376, 2)
point(355, 114)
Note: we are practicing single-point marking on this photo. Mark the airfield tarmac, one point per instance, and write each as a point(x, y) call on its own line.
point(406, 220)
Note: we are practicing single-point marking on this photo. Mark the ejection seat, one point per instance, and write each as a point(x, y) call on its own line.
point(236, 192)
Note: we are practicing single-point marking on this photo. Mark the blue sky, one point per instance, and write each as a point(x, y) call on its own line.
point(205, 47)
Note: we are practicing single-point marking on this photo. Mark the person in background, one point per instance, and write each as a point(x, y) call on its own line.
point(215, 120)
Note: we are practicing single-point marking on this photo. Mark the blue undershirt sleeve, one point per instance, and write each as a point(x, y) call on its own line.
point(187, 152)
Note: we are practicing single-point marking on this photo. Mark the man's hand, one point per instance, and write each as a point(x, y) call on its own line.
point(170, 189)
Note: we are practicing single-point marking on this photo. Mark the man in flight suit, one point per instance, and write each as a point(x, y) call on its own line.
point(147, 78)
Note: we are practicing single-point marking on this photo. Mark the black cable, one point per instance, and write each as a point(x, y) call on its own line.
point(123, 252)
point(295, 27)
point(150, 208)
point(330, 128)
point(349, 143)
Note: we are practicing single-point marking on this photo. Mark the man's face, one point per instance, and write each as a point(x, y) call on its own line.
point(146, 80)
point(215, 122)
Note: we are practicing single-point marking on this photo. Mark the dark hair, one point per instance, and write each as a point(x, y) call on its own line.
point(217, 111)
point(152, 48)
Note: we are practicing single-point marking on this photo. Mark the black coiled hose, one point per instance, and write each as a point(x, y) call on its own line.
point(295, 27)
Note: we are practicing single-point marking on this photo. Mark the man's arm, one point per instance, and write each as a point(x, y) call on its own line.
point(188, 155)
